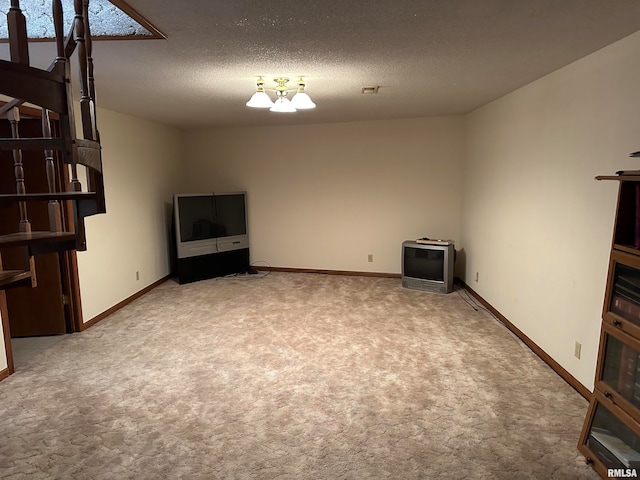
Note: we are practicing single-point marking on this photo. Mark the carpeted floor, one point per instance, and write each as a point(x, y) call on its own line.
point(291, 376)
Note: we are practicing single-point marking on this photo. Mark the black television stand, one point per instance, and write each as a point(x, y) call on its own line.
point(202, 267)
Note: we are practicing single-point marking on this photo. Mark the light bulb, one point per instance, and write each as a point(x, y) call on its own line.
point(260, 100)
point(283, 105)
point(302, 101)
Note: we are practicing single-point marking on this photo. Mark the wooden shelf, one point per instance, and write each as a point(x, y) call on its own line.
point(628, 176)
point(627, 248)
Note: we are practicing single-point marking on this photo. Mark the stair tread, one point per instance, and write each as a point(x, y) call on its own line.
point(31, 144)
point(28, 238)
point(8, 277)
point(89, 154)
point(47, 196)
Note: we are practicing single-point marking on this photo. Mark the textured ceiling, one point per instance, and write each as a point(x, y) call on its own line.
point(430, 57)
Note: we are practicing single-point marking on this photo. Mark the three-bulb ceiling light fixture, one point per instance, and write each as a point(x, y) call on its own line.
point(300, 100)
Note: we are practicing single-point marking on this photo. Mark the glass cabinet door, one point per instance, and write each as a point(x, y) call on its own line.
point(618, 372)
point(608, 442)
point(626, 234)
point(622, 303)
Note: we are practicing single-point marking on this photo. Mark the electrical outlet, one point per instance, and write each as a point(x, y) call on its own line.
point(477, 277)
point(370, 258)
point(577, 350)
point(137, 276)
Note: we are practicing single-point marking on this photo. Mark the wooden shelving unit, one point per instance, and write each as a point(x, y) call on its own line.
point(610, 438)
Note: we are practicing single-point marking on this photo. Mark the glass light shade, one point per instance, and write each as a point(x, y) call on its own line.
point(260, 100)
point(283, 105)
point(302, 101)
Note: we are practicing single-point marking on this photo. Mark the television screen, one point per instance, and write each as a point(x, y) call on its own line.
point(424, 263)
point(211, 216)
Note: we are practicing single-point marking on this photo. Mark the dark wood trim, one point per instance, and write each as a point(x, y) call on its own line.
point(129, 10)
point(555, 366)
point(7, 332)
point(123, 303)
point(73, 279)
point(71, 289)
point(4, 374)
point(4, 313)
point(326, 272)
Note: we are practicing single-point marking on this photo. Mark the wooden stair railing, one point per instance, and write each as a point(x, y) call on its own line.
point(50, 90)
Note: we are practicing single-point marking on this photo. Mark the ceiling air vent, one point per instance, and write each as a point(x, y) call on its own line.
point(370, 90)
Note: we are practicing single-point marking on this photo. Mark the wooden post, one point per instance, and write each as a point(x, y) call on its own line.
point(14, 119)
point(91, 86)
point(58, 27)
point(55, 215)
point(4, 321)
point(67, 122)
point(17, 30)
point(25, 226)
point(85, 100)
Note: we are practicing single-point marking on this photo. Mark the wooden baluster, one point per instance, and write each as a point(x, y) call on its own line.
point(74, 183)
point(90, 125)
point(67, 122)
point(55, 215)
point(48, 154)
point(92, 90)
point(17, 29)
point(14, 119)
point(78, 35)
point(85, 101)
point(58, 27)
point(25, 226)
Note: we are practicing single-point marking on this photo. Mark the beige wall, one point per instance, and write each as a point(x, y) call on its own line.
point(536, 226)
point(142, 170)
point(326, 196)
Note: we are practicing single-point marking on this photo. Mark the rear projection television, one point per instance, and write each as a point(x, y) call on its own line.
point(211, 235)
